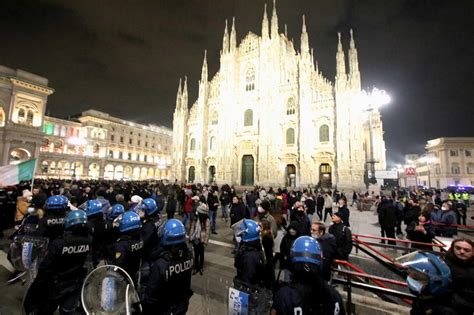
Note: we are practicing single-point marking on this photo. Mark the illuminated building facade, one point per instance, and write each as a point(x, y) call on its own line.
point(96, 145)
point(23, 98)
point(269, 117)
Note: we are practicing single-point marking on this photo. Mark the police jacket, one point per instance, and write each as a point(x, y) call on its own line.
point(303, 299)
point(51, 225)
point(250, 263)
point(149, 233)
point(343, 237)
point(62, 269)
point(127, 254)
point(169, 287)
point(98, 228)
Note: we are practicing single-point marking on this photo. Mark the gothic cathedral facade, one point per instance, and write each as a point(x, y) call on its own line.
point(269, 117)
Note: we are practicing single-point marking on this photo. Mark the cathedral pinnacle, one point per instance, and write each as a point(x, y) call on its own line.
point(265, 34)
point(225, 39)
point(352, 43)
point(233, 37)
point(304, 38)
point(339, 45)
point(178, 96)
point(274, 21)
point(340, 61)
point(184, 99)
point(204, 68)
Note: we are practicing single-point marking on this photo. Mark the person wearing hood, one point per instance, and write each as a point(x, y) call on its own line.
point(134, 202)
point(460, 259)
point(299, 215)
point(263, 214)
point(22, 205)
point(287, 241)
point(327, 241)
point(343, 237)
point(199, 233)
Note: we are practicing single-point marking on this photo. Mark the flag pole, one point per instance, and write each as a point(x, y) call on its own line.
point(33, 177)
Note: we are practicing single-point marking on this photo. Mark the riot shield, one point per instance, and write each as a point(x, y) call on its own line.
point(108, 289)
point(26, 251)
point(244, 299)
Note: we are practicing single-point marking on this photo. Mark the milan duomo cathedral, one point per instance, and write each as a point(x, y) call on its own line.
point(269, 117)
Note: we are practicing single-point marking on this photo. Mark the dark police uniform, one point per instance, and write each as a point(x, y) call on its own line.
point(51, 225)
point(98, 228)
point(60, 275)
point(250, 264)
point(127, 254)
point(303, 300)
point(149, 234)
point(169, 287)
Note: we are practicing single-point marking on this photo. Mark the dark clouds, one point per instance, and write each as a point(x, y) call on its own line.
point(126, 57)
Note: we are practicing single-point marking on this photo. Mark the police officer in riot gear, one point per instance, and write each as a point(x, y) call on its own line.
point(61, 273)
point(168, 289)
point(98, 228)
point(51, 225)
point(429, 279)
point(113, 219)
point(151, 225)
point(307, 293)
point(250, 259)
point(127, 251)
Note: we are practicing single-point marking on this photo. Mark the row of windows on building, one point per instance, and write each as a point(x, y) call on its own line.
point(460, 152)
point(456, 169)
point(134, 157)
point(139, 142)
point(290, 138)
point(25, 116)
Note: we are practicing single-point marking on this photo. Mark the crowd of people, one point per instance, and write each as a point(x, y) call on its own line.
point(284, 248)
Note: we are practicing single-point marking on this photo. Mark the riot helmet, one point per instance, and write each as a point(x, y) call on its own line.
point(173, 232)
point(130, 221)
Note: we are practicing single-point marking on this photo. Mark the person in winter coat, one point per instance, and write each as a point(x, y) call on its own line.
point(460, 259)
point(343, 210)
point(448, 218)
point(328, 246)
point(199, 235)
point(263, 214)
point(319, 206)
point(287, 241)
point(422, 231)
point(238, 211)
point(387, 219)
point(411, 211)
point(22, 205)
point(343, 237)
point(299, 215)
point(327, 206)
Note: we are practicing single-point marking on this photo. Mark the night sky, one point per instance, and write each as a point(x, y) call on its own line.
point(126, 57)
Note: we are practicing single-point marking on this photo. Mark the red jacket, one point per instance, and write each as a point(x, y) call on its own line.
point(188, 205)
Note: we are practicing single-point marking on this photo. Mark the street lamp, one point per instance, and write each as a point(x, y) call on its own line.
point(369, 102)
point(428, 160)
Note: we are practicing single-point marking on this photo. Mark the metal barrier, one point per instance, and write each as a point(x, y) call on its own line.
point(380, 288)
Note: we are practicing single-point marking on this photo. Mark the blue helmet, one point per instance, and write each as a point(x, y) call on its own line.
point(93, 207)
point(428, 271)
point(75, 217)
point(117, 209)
point(56, 203)
point(306, 249)
point(249, 230)
point(149, 205)
point(173, 232)
point(130, 221)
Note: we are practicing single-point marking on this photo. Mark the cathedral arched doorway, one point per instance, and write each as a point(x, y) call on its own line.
point(191, 174)
point(291, 175)
point(247, 170)
point(211, 174)
point(325, 175)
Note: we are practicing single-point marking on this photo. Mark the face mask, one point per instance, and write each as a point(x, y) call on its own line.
point(29, 198)
point(10, 192)
point(414, 285)
point(315, 236)
point(261, 210)
point(444, 208)
point(341, 205)
point(292, 232)
point(31, 210)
